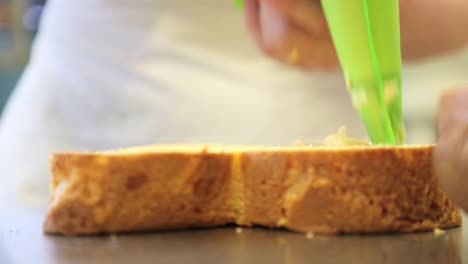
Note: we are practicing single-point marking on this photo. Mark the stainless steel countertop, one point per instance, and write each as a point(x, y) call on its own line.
point(22, 241)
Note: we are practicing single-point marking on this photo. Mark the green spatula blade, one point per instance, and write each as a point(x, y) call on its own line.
point(385, 26)
point(239, 3)
point(351, 27)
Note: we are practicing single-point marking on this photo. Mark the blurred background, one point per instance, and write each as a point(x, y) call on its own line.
point(19, 20)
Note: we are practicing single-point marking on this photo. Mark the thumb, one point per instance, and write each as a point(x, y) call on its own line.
point(453, 110)
point(451, 152)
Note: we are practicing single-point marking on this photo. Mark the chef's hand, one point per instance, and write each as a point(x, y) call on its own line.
point(451, 152)
point(292, 31)
point(296, 32)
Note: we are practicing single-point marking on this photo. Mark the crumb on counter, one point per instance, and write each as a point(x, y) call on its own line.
point(282, 222)
point(310, 235)
point(439, 232)
point(239, 230)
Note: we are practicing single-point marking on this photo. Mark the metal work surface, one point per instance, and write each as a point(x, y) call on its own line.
point(22, 241)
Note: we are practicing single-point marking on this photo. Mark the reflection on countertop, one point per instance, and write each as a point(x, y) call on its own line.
point(20, 232)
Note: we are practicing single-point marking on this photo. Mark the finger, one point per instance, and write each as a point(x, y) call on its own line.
point(307, 14)
point(252, 9)
point(283, 40)
point(451, 152)
point(453, 110)
point(451, 164)
point(307, 52)
point(304, 51)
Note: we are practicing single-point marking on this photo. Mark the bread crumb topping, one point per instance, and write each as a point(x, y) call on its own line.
point(340, 139)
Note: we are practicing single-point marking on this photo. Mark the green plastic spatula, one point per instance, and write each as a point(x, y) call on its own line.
point(366, 34)
point(239, 3)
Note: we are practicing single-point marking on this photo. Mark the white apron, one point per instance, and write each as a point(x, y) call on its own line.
point(107, 74)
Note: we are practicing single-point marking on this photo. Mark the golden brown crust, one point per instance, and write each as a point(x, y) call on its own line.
point(322, 190)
